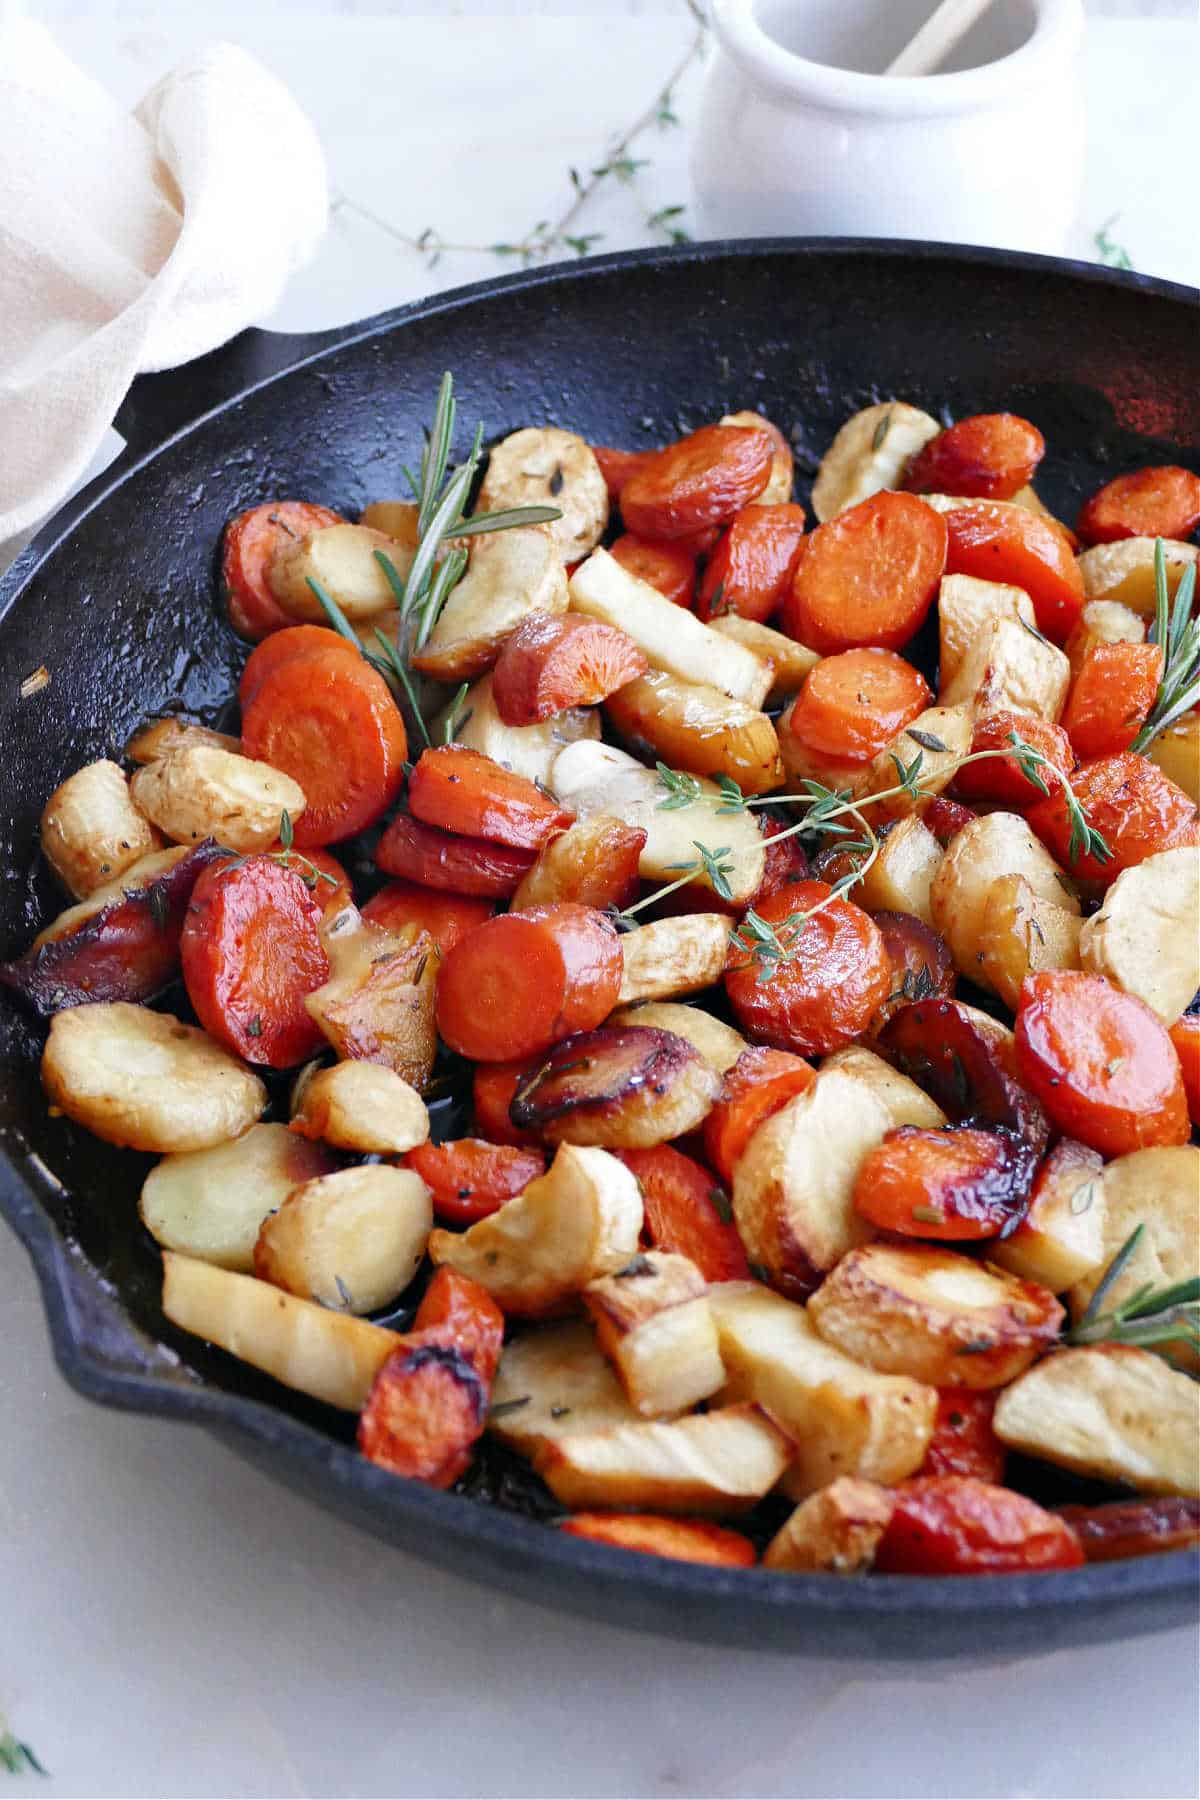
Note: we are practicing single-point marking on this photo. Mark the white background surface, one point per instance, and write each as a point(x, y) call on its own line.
point(173, 1623)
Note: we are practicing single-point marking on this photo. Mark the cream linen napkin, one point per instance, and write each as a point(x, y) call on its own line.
point(132, 241)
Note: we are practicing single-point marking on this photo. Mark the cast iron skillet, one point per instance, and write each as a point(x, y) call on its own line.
point(115, 597)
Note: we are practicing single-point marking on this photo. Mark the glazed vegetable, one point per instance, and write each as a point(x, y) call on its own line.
point(353, 1238)
point(989, 456)
point(211, 1203)
point(955, 1525)
point(459, 791)
point(248, 550)
point(653, 1322)
point(549, 664)
point(683, 1540)
point(442, 860)
point(997, 541)
point(702, 480)
point(623, 1089)
point(759, 1084)
point(867, 577)
point(671, 568)
point(1163, 502)
point(752, 567)
point(687, 1213)
point(836, 1531)
point(91, 831)
point(594, 862)
point(470, 1179)
point(546, 465)
point(360, 1106)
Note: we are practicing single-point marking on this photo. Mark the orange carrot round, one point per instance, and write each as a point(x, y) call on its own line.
point(760, 1082)
point(955, 1525)
point(617, 466)
point(1100, 1062)
point(446, 917)
point(963, 1441)
point(330, 723)
point(462, 791)
point(249, 545)
point(686, 1212)
point(834, 977)
point(1130, 802)
point(1001, 778)
point(550, 663)
point(521, 982)
point(700, 481)
point(989, 456)
point(1111, 697)
point(946, 818)
point(961, 1184)
point(296, 641)
point(753, 564)
point(1162, 502)
point(448, 863)
point(867, 576)
point(683, 1540)
point(995, 541)
point(471, 1179)
point(1185, 1035)
point(852, 705)
point(251, 951)
point(493, 1086)
point(671, 568)
point(321, 873)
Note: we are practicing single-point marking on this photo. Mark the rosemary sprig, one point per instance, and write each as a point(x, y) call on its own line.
point(1178, 635)
point(1146, 1317)
point(15, 1756)
point(1110, 252)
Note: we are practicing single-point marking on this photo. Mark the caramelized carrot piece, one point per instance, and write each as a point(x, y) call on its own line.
point(867, 576)
point(330, 723)
point(1100, 1062)
point(998, 542)
point(958, 1185)
point(760, 1082)
point(852, 705)
point(921, 963)
point(832, 981)
point(1001, 778)
point(1162, 502)
point(963, 1441)
point(946, 818)
point(471, 1179)
point(1111, 697)
point(1126, 798)
point(462, 791)
point(1185, 1035)
point(989, 456)
point(700, 481)
point(249, 544)
point(446, 917)
point(550, 663)
point(251, 950)
point(1145, 1526)
point(687, 1212)
point(684, 1540)
point(671, 568)
point(448, 863)
point(286, 646)
point(786, 862)
point(521, 982)
point(753, 564)
point(321, 873)
point(429, 1402)
point(492, 1089)
point(617, 466)
point(955, 1525)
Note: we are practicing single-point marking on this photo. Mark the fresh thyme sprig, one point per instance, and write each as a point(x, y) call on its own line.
point(1146, 1317)
point(1110, 252)
point(16, 1757)
point(286, 857)
point(1178, 635)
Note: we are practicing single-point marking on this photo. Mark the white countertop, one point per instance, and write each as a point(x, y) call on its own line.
point(176, 1624)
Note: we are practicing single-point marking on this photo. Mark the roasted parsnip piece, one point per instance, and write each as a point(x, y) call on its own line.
point(1060, 1241)
point(528, 750)
point(329, 1355)
point(1103, 622)
point(510, 575)
point(846, 1419)
point(984, 852)
point(967, 610)
point(210, 1203)
point(352, 1239)
point(1007, 668)
point(579, 1220)
point(361, 1106)
point(92, 831)
point(593, 862)
point(1145, 938)
point(1109, 1411)
point(1124, 571)
point(949, 726)
point(935, 1315)
point(1021, 931)
point(693, 725)
point(653, 1321)
point(835, 1531)
point(900, 878)
point(671, 638)
point(341, 559)
point(552, 1382)
point(162, 736)
point(197, 791)
point(718, 1044)
point(870, 452)
point(378, 1004)
point(1177, 753)
point(626, 1089)
point(673, 957)
point(543, 465)
point(146, 1080)
point(788, 661)
point(715, 1462)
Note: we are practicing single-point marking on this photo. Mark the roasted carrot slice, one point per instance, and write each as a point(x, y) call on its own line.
point(922, 966)
point(462, 791)
point(684, 1540)
point(959, 1185)
point(1185, 1035)
point(321, 873)
point(786, 862)
point(1162, 502)
point(1145, 1526)
point(470, 1179)
point(702, 480)
point(446, 917)
point(286, 646)
point(753, 564)
point(330, 723)
point(830, 982)
point(852, 705)
point(1001, 778)
point(946, 818)
point(1126, 798)
point(671, 568)
point(492, 1089)
point(963, 1441)
point(867, 576)
point(521, 982)
point(1100, 1062)
point(463, 1314)
point(617, 466)
point(989, 456)
point(760, 1082)
point(251, 951)
point(687, 1211)
point(550, 663)
point(1111, 697)
point(998, 542)
point(450, 864)
point(955, 1525)
point(249, 545)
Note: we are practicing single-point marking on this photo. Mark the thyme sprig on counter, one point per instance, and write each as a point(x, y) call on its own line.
point(1148, 1316)
point(1178, 635)
point(16, 1757)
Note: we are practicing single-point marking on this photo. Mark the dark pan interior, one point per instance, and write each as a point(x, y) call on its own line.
point(631, 351)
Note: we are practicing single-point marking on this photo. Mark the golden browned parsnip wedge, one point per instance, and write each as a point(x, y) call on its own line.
point(341, 559)
point(211, 1203)
point(1109, 1411)
point(718, 1044)
point(162, 736)
point(692, 725)
point(982, 853)
point(670, 637)
point(1146, 937)
point(1103, 622)
point(1177, 753)
point(788, 661)
point(554, 1381)
point(542, 465)
point(146, 1080)
point(949, 726)
point(870, 452)
point(196, 792)
point(331, 1356)
point(361, 1106)
point(352, 1239)
point(673, 957)
point(836, 1531)
point(935, 1315)
point(91, 830)
point(967, 610)
point(138, 875)
point(1124, 571)
point(528, 750)
point(711, 1463)
point(1020, 932)
point(378, 1004)
point(625, 1090)
point(510, 575)
point(579, 1220)
point(653, 1321)
point(846, 1419)
point(1060, 1241)
point(900, 878)
point(1007, 668)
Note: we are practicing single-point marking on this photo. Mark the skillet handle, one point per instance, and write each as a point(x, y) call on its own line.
point(159, 405)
